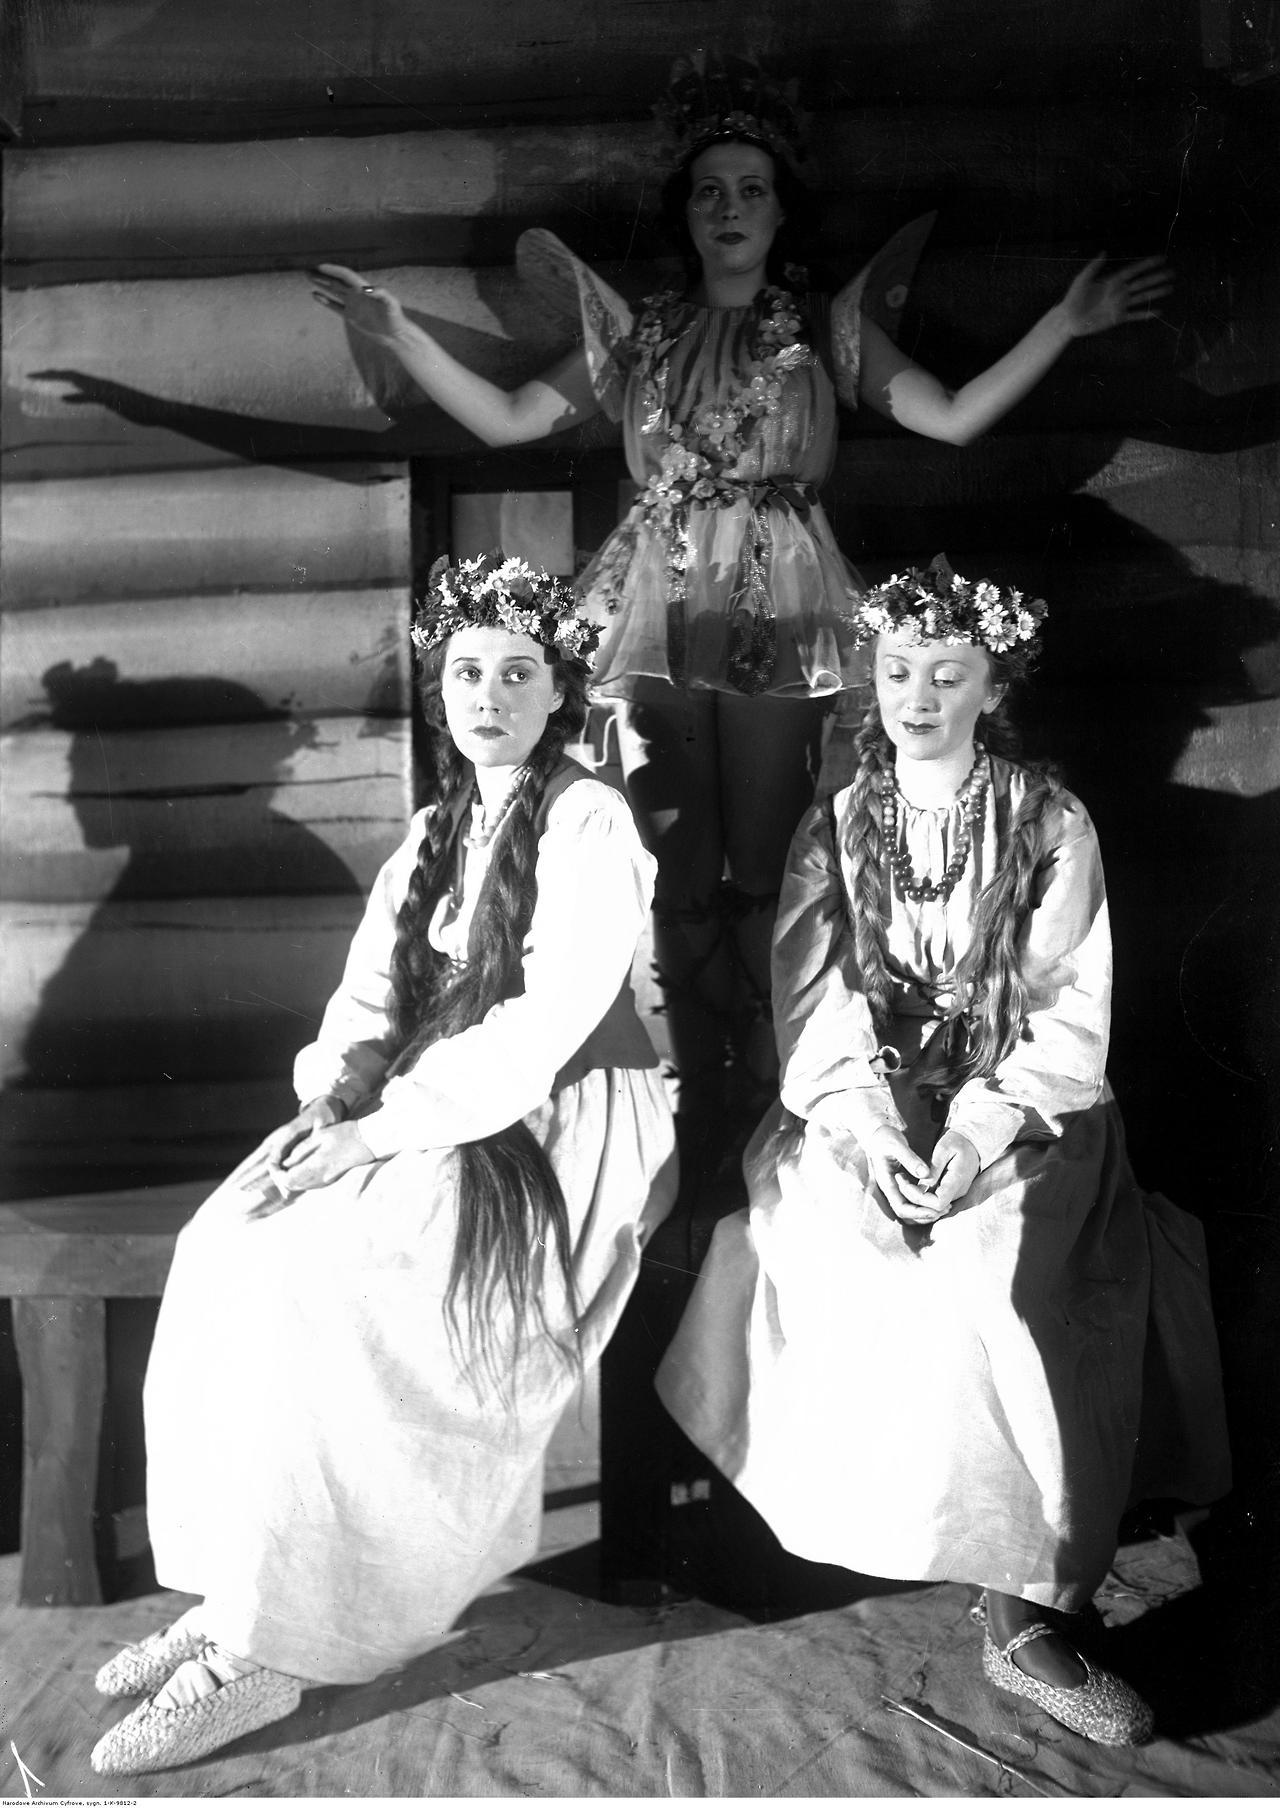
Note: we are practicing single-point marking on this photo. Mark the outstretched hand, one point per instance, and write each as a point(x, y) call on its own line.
point(1095, 303)
point(364, 306)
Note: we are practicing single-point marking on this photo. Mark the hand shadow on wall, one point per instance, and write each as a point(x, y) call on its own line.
point(416, 426)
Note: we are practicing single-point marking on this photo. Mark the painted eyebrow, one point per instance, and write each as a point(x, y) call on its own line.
point(508, 659)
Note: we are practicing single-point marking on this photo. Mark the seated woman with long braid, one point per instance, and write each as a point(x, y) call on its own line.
point(372, 1327)
point(951, 1339)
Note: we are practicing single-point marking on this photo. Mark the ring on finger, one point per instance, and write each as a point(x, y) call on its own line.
point(368, 289)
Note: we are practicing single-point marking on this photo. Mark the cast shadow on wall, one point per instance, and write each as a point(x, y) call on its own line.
point(172, 783)
point(178, 776)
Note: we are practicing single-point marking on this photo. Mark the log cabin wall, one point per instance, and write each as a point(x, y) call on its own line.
point(204, 701)
point(176, 169)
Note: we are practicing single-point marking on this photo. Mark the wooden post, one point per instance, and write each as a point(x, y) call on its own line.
point(62, 1352)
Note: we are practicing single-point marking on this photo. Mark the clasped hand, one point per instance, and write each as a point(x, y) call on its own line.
point(312, 1149)
point(918, 1191)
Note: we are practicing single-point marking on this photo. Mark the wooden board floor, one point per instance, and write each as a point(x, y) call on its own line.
point(547, 1691)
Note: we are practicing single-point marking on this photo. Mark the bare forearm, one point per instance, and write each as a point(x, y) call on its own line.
point(1094, 303)
point(986, 398)
point(918, 401)
point(499, 417)
point(492, 414)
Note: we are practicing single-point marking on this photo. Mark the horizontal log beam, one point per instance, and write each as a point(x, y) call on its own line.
point(1235, 751)
point(161, 533)
point(93, 1246)
point(252, 346)
point(283, 807)
point(229, 69)
point(207, 988)
point(169, 1127)
point(1219, 498)
point(212, 657)
point(116, 211)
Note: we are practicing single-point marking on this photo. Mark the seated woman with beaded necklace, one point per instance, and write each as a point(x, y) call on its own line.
point(371, 1330)
point(935, 1345)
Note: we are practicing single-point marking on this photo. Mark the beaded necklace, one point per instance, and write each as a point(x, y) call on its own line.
point(477, 839)
point(972, 801)
point(480, 836)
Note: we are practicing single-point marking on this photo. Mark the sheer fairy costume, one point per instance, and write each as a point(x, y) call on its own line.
point(977, 1400)
point(329, 1466)
point(724, 575)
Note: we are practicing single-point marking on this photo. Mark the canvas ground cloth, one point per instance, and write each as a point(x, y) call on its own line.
point(548, 1692)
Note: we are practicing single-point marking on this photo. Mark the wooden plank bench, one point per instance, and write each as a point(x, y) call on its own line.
point(61, 1260)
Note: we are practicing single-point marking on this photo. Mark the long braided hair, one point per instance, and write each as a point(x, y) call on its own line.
point(511, 1208)
point(990, 991)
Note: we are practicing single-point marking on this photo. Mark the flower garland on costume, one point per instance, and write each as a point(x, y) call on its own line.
point(940, 605)
point(704, 449)
point(696, 469)
point(494, 591)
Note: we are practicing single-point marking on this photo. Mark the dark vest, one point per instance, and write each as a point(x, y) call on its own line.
point(619, 1039)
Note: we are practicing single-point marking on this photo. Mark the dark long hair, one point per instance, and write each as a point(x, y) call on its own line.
point(511, 1207)
point(991, 994)
point(789, 253)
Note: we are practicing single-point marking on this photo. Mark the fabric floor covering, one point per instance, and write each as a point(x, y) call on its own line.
point(546, 1691)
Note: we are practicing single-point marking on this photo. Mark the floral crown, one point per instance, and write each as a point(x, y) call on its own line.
point(938, 604)
point(493, 591)
point(711, 95)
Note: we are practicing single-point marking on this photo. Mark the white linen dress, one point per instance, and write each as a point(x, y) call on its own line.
point(976, 1403)
point(319, 1469)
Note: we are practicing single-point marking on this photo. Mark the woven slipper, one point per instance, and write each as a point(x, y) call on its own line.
point(143, 1668)
point(1101, 1708)
point(152, 1738)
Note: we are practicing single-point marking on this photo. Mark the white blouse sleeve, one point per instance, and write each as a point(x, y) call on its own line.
point(1058, 1067)
point(354, 1047)
point(595, 883)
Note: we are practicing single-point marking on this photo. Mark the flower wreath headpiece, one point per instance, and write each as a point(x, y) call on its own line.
point(493, 591)
point(711, 95)
point(940, 605)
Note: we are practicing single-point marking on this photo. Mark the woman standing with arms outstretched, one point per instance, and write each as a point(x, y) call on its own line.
point(723, 589)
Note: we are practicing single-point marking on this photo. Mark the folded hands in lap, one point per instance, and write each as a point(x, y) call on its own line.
point(919, 1191)
point(309, 1151)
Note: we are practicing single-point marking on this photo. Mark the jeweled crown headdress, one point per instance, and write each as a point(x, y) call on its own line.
point(711, 95)
point(940, 605)
point(494, 591)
